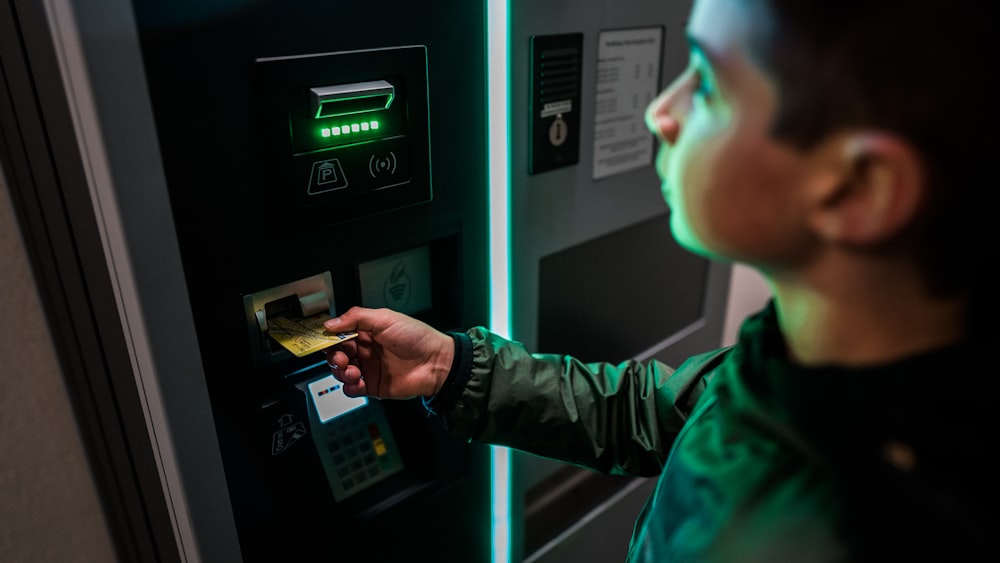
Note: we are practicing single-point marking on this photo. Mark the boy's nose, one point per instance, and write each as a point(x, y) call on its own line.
point(662, 124)
point(660, 115)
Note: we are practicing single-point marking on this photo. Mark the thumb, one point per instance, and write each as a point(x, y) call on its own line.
point(356, 318)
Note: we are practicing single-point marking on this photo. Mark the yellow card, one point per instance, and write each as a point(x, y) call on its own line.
point(306, 335)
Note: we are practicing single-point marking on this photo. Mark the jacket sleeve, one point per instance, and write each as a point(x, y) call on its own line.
point(611, 418)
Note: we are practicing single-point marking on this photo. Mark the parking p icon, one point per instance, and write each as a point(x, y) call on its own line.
point(326, 175)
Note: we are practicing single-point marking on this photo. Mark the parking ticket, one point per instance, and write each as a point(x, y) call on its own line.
point(303, 336)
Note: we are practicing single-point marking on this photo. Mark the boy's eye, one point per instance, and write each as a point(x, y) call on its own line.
point(702, 86)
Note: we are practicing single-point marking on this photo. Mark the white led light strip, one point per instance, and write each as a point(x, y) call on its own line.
point(499, 199)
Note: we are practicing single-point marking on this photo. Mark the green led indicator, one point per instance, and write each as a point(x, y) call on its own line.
point(337, 130)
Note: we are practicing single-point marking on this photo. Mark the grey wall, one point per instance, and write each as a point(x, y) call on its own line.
point(748, 292)
point(49, 506)
point(558, 209)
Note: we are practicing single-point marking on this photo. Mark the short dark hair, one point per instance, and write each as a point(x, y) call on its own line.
point(920, 69)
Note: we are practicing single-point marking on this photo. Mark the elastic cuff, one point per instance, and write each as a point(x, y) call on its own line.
point(458, 376)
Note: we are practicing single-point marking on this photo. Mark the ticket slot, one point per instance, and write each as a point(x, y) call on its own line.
point(349, 99)
point(302, 298)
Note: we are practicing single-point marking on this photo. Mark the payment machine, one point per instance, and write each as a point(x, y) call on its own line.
point(344, 204)
point(255, 167)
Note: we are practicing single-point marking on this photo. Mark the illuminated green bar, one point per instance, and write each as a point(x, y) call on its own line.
point(498, 45)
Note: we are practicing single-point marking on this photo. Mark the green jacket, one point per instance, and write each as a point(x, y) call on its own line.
point(757, 459)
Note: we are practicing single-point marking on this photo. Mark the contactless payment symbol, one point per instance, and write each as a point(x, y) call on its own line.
point(380, 165)
point(326, 175)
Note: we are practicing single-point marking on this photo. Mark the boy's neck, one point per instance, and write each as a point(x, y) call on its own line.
point(855, 320)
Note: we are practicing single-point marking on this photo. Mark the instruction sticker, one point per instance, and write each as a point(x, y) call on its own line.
point(628, 77)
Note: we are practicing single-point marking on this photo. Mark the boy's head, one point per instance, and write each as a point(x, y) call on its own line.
point(917, 69)
point(796, 120)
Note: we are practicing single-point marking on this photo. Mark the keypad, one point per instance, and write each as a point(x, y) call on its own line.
point(358, 450)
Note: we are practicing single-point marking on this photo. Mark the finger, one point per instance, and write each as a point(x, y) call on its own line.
point(337, 358)
point(350, 374)
point(364, 355)
point(343, 323)
point(354, 385)
point(345, 373)
point(357, 388)
point(350, 347)
point(355, 319)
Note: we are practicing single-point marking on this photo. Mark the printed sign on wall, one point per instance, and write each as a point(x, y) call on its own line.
point(628, 76)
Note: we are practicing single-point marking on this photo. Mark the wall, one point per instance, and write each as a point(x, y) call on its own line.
point(747, 294)
point(49, 507)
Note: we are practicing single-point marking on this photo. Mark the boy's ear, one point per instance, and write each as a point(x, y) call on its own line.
point(880, 185)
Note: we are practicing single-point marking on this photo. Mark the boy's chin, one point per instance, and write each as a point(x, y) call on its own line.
point(685, 237)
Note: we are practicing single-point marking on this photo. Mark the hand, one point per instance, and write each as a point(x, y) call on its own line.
point(393, 357)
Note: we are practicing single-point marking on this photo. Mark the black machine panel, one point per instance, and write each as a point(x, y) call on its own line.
point(347, 133)
point(297, 146)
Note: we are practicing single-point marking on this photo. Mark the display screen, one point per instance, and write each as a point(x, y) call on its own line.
point(328, 397)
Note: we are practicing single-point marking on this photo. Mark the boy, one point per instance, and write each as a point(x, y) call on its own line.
point(822, 144)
